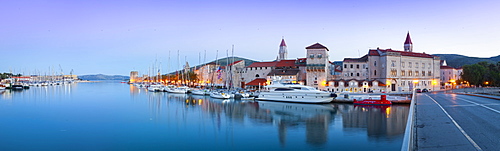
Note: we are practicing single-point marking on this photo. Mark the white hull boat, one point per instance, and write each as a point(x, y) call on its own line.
point(200, 92)
point(182, 89)
point(155, 88)
point(220, 95)
point(287, 92)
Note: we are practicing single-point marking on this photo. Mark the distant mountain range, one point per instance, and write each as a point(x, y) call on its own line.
point(455, 60)
point(103, 77)
point(225, 61)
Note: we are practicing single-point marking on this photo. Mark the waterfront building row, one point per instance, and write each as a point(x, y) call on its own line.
point(380, 70)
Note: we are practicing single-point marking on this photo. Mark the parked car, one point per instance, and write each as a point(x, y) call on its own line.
point(418, 90)
point(425, 90)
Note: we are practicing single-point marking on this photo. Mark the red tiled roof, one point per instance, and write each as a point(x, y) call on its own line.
point(317, 46)
point(408, 39)
point(374, 52)
point(262, 64)
point(257, 82)
point(282, 42)
point(285, 63)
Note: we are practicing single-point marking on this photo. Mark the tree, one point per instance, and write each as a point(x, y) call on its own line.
point(482, 72)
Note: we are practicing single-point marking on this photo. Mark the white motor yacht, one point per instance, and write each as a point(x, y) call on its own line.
point(288, 92)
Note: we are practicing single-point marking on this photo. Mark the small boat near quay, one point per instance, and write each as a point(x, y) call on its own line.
point(350, 97)
point(371, 101)
point(291, 92)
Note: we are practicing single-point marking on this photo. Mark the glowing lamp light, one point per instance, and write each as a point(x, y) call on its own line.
point(323, 83)
point(415, 81)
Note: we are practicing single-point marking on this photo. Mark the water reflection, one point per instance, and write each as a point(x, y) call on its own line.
point(40, 93)
point(120, 117)
point(380, 122)
point(315, 122)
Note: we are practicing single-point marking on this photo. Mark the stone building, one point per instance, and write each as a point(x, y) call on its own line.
point(399, 71)
point(317, 66)
point(450, 76)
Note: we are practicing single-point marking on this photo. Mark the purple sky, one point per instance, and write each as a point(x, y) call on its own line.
point(116, 37)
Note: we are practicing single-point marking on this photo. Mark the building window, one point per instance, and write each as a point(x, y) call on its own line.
point(375, 63)
point(423, 73)
point(409, 64)
point(320, 56)
point(394, 73)
point(410, 73)
point(357, 74)
point(374, 72)
point(429, 73)
point(403, 64)
point(257, 75)
point(345, 66)
point(311, 56)
point(423, 65)
point(429, 66)
point(352, 74)
point(357, 66)
point(260, 68)
point(416, 65)
point(352, 66)
point(403, 73)
point(393, 63)
point(416, 73)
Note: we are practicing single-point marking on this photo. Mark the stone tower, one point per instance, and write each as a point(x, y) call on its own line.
point(408, 46)
point(283, 53)
point(317, 66)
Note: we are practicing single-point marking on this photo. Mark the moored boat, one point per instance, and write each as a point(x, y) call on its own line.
point(382, 101)
point(289, 92)
point(182, 89)
point(220, 95)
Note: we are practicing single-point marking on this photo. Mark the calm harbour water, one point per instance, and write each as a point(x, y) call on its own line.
point(116, 116)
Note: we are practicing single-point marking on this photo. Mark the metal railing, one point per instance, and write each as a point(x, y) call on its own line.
point(409, 138)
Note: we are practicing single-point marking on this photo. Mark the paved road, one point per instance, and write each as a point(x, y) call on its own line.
point(457, 122)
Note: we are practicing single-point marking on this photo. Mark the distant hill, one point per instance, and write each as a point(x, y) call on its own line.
point(228, 60)
point(455, 60)
point(225, 61)
point(103, 77)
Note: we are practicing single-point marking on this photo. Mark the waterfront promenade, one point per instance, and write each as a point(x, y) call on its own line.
point(451, 120)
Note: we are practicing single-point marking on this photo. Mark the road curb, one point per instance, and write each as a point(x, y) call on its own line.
point(479, 96)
